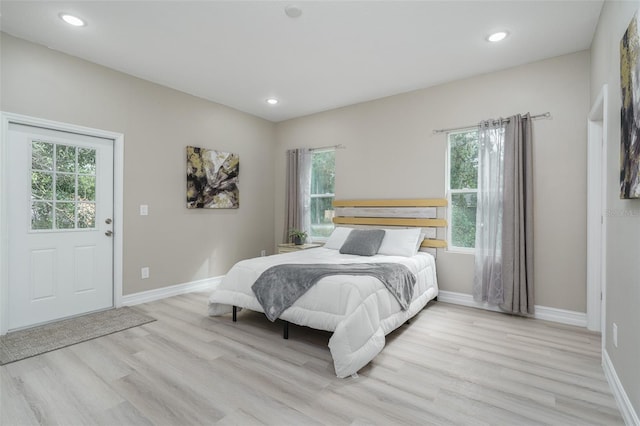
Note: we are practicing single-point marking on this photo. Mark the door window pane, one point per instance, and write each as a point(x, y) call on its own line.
point(41, 156)
point(65, 187)
point(65, 158)
point(86, 188)
point(86, 215)
point(42, 186)
point(86, 161)
point(65, 215)
point(41, 215)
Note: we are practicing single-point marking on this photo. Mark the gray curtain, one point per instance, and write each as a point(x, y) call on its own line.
point(504, 216)
point(298, 191)
point(517, 222)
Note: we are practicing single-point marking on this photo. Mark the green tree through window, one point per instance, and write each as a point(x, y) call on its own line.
point(463, 188)
point(323, 176)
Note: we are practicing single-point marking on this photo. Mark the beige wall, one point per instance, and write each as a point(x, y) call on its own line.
point(393, 153)
point(178, 245)
point(623, 216)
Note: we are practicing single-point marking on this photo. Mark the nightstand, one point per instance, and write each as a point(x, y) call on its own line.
point(289, 247)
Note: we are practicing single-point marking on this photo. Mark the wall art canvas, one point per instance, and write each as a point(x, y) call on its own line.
point(212, 179)
point(630, 112)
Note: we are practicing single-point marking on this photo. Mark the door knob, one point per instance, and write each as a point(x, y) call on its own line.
point(108, 221)
point(108, 233)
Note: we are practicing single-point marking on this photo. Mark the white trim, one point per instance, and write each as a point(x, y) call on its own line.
point(562, 316)
point(545, 313)
point(596, 203)
point(622, 399)
point(118, 196)
point(4, 230)
point(174, 290)
point(118, 219)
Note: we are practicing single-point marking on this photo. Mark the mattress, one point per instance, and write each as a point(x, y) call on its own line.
point(358, 309)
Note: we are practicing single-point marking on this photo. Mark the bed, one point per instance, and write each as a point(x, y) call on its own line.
point(359, 309)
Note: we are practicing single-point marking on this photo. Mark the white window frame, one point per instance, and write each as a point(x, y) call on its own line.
point(450, 192)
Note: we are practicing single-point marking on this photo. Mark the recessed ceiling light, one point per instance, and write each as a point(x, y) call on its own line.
point(292, 11)
point(499, 36)
point(72, 20)
point(272, 101)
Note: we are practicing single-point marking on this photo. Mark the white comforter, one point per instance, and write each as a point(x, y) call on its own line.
point(358, 309)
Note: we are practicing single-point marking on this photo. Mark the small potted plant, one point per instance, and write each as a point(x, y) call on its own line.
point(297, 236)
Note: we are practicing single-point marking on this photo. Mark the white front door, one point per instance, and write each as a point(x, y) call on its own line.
point(60, 224)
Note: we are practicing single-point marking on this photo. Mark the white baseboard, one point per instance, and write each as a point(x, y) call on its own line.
point(174, 290)
point(561, 315)
point(624, 403)
point(541, 312)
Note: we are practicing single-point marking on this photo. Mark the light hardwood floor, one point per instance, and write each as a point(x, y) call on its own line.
point(451, 365)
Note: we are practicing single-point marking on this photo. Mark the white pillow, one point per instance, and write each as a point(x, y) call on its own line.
point(337, 238)
point(401, 242)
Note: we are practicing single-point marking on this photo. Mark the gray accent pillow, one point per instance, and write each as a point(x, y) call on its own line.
point(363, 242)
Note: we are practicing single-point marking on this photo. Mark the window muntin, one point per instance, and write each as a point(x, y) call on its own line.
point(63, 187)
point(323, 167)
point(462, 191)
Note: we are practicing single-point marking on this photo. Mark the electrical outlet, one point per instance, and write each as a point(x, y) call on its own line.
point(614, 335)
point(144, 210)
point(144, 272)
point(263, 253)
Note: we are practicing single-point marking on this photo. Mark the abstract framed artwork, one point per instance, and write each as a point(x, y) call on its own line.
point(630, 111)
point(212, 179)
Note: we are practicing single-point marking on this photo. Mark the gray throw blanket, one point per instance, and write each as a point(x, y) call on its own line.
point(280, 286)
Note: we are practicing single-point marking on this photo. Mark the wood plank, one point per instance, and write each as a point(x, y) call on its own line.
point(427, 242)
point(420, 202)
point(389, 221)
point(406, 212)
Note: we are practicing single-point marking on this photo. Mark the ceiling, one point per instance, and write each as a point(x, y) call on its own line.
point(337, 53)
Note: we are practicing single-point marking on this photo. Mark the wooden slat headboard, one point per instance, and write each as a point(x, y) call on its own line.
point(412, 213)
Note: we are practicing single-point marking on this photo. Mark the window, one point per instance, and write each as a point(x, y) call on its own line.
point(462, 181)
point(63, 187)
point(323, 173)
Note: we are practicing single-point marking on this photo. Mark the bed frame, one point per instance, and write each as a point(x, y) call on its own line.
point(425, 213)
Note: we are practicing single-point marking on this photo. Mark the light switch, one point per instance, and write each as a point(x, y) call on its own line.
point(144, 210)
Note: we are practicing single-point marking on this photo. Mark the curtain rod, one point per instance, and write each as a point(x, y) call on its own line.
point(322, 148)
point(473, 126)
